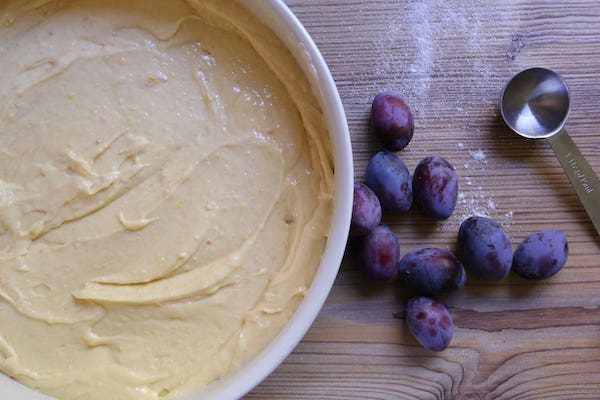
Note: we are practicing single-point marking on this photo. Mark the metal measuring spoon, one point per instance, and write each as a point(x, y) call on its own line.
point(535, 104)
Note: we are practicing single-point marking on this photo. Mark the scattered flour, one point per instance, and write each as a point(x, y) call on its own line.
point(475, 203)
point(424, 45)
point(473, 200)
point(429, 41)
point(478, 155)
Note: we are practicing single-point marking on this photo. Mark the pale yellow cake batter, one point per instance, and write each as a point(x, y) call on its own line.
point(165, 193)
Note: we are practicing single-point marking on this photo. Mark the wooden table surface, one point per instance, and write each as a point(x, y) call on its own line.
point(450, 60)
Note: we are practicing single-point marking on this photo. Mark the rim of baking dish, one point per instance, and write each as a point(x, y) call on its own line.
point(277, 16)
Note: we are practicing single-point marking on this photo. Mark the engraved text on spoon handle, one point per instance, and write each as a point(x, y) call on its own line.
point(582, 177)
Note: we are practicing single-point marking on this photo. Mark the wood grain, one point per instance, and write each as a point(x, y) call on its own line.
point(450, 60)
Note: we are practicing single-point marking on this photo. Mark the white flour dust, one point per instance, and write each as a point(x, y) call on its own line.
point(473, 200)
point(425, 41)
point(436, 54)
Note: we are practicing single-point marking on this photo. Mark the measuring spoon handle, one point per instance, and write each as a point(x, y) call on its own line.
point(582, 177)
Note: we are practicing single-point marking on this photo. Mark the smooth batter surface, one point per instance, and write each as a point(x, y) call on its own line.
point(165, 193)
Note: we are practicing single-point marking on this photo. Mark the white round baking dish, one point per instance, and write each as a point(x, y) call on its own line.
point(276, 15)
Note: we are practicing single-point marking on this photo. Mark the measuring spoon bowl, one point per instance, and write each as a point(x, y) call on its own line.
point(535, 104)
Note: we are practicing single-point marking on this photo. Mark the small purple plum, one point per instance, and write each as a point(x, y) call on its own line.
point(431, 271)
point(392, 121)
point(430, 323)
point(484, 248)
point(379, 253)
point(435, 187)
point(541, 255)
point(366, 210)
point(389, 178)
